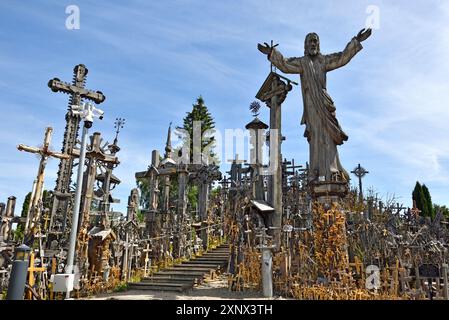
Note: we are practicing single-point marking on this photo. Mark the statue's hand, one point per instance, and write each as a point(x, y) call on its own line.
point(363, 34)
point(265, 49)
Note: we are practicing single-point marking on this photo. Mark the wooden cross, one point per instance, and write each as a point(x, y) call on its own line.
point(399, 208)
point(290, 165)
point(94, 155)
point(31, 279)
point(360, 172)
point(236, 169)
point(77, 92)
point(33, 214)
point(415, 211)
point(76, 89)
point(46, 218)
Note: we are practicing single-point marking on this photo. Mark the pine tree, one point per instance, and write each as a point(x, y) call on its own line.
point(430, 210)
point(200, 113)
point(420, 199)
point(26, 204)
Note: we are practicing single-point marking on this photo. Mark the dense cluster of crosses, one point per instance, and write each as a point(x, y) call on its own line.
point(272, 211)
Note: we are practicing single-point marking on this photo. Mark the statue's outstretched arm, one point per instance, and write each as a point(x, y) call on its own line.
point(290, 65)
point(337, 60)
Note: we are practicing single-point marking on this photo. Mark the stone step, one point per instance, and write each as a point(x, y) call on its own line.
point(189, 268)
point(213, 257)
point(184, 276)
point(158, 279)
point(179, 287)
point(212, 265)
point(216, 253)
point(181, 273)
point(219, 260)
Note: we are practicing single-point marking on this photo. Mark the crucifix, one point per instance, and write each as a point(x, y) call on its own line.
point(360, 172)
point(33, 213)
point(77, 92)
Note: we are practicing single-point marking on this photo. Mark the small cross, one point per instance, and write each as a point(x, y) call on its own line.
point(271, 63)
point(415, 210)
point(360, 172)
point(236, 160)
point(118, 124)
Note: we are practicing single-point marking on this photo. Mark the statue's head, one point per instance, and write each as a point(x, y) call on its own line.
point(312, 44)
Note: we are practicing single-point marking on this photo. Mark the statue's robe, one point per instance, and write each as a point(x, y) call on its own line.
point(323, 131)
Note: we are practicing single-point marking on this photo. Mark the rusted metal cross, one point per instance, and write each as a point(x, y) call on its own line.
point(33, 214)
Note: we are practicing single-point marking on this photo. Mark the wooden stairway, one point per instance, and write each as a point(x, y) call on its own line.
point(184, 276)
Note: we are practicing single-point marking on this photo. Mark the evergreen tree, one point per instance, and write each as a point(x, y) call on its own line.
point(26, 204)
point(200, 113)
point(430, 210)
point(420, 198)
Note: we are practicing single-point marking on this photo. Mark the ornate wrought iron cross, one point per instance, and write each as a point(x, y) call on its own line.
point(360, 172)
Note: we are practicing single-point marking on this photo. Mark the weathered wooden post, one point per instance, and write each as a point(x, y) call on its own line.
point(273, 93)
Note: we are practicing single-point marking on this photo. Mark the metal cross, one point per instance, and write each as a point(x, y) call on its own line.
point(360, 172)
point(118, 124)
point(271, 63)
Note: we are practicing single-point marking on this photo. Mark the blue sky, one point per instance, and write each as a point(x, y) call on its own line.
point(152, 59)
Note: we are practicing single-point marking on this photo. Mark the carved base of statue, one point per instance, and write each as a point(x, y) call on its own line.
point(328, 192)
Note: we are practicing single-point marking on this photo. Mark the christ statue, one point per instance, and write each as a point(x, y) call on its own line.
point(322, 131)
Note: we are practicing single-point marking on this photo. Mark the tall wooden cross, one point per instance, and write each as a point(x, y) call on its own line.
point(33, 214)
point(77, 92)
point(94, 155)
point(360, 172)
point(235, 171)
